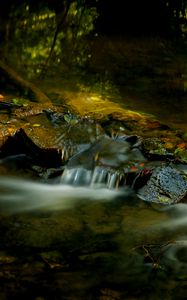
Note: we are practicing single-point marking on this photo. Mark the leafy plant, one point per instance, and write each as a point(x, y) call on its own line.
point(33, 46)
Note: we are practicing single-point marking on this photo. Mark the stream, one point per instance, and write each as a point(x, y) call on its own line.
point(82, 235)
point(77, 230)
point(65, 242)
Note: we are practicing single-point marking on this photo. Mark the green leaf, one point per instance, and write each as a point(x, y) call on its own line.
point(67, 118)
point(15, 101)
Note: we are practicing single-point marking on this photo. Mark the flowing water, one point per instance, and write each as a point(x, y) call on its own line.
point(71, 241)
point(85, 236)
point(20, 195)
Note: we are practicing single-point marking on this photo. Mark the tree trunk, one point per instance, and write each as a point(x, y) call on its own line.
point(24, 84)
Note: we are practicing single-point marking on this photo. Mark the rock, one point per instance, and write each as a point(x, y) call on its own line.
point(154, 146)
point(167, 185)
point(106, 162)
point(107, 152)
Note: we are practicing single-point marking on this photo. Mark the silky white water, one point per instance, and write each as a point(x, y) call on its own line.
point(18, 195)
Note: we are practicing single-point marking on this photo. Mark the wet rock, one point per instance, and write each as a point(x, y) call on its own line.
point(166, 185)
point(20, 143)
point(107, 152)
point(105, 162)
point(154, 146)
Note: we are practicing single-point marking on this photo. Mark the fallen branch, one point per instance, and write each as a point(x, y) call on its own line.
point(12, 74)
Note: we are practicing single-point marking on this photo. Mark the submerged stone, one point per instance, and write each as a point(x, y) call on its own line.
point(166, 186)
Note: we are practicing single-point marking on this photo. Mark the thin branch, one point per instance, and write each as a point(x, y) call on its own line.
point(58, 28)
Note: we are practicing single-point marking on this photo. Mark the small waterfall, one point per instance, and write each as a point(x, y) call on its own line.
point(113, 180)
point(100, 164)
point(99, 176)
point(76, 176)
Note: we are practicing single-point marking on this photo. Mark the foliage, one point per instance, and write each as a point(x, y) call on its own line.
point(34, 35)
point(30, 43)
point(79, 24)
point(55, 32)
point(20, 101)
